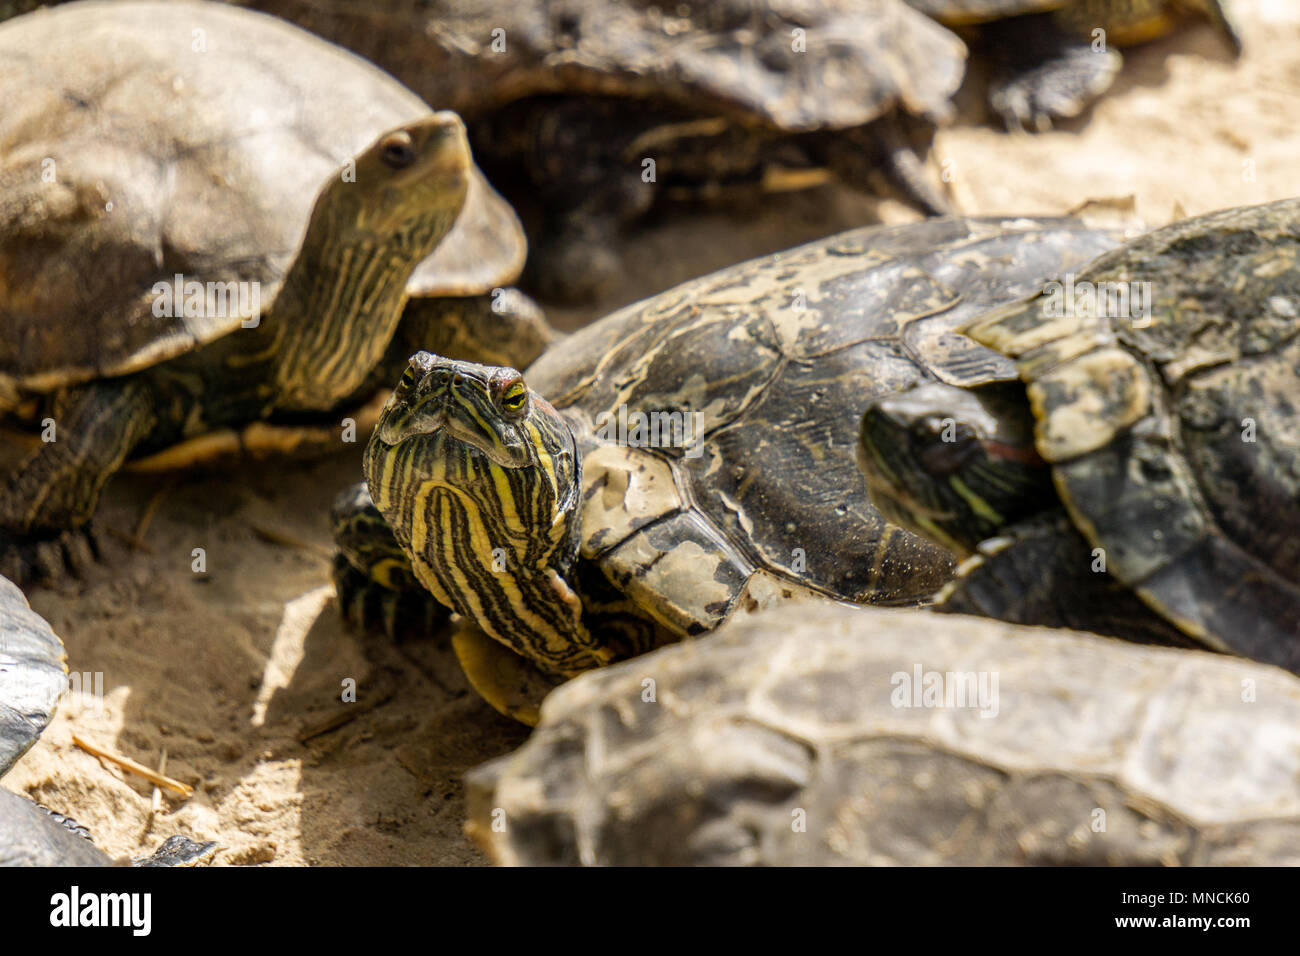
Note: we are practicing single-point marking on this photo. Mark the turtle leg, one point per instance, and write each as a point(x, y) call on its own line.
point(180, 850)
point(502, 327)
point(1041, 72)
point(884, 157)
point(1044, 572)
point(513, 685)
point(377, 589)
point(46, 506)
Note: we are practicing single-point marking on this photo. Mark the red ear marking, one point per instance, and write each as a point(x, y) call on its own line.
point(1026, 455)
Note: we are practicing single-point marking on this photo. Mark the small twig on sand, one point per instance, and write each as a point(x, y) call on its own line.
point(139, 769)
point(146, 517)
point(126, 539)
point(341, 718)
point(155, 798)
point(284, 539)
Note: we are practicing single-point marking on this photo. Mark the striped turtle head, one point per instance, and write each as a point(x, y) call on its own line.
point(373, 223)
point(456, 409)
point(956, 465)
point(479, 478)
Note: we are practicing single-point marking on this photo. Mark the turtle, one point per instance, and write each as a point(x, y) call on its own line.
point(1140, 475)
point(596, 107)
point(33, 676)
point(1050, 59)
point(823, 735)
point(208, 218)
point(683, 457)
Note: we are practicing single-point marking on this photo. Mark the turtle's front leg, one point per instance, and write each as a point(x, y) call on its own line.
point(1044, 572)
point(46, 506)
point(377, 590)
point(884, 157)
point(513, 685)
point(1042, 72)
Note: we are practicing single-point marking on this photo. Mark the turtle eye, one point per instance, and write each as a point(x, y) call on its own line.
point(397, 151)
point(954, 451)
point(409, 378)
point(514, 396)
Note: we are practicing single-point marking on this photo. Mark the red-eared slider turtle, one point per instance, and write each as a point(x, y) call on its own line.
point(583, 97)
point(833, 735)
point(207, 218)
point(681, 453)
point(1142, 477)
point(1051, 58)
point(33, 676)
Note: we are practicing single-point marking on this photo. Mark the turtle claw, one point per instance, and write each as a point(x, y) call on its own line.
point(46, 558)
point(369, 607)
point(1060, 88)
point(180, 851)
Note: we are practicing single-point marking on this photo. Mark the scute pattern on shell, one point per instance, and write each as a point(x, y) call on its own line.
point(1175, 438)
point(796, 711)
point(778, 356)
point(860, 60)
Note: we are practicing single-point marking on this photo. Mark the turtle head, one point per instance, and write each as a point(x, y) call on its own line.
point(481, 425)
point(406, 187)
point(957, 465)
point(374, 221)
point(479, 478)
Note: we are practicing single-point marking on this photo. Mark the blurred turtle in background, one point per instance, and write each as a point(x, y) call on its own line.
point(599, 106)
point(33, 676)
point(1050, 59)
point(1141, 476)
point(210, 218)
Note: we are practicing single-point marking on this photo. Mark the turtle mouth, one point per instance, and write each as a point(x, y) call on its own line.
point(451, 410)
point(503, 448)
point(451, 430)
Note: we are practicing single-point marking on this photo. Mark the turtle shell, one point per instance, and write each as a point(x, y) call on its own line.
point(1167, 406)
point(33, 674)
point(145, 140)
point(792, 65)
point(771, 363)
point(826, 715)
point(33, 836)
point(961, 12)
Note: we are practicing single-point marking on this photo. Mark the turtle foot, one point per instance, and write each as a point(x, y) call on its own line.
point(512, 685)
point(1060, 87)
point(371, 608)
point(180, 851)
point(46, 558)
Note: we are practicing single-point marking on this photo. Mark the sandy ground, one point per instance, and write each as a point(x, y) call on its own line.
point(235, 673)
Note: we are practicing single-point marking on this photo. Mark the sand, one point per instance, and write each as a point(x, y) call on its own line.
point(235, 673)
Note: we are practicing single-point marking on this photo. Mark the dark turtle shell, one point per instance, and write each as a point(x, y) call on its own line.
point(772, 363)
point(33, 674)
point(1172, 426)
point(824, 64)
